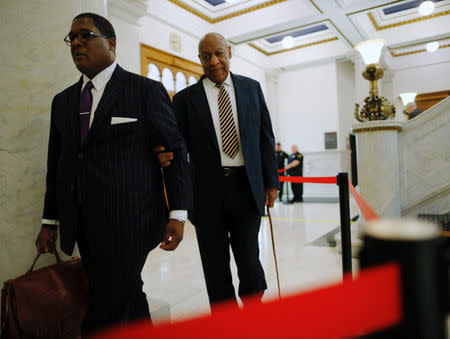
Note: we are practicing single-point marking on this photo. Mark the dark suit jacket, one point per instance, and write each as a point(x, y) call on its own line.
point(121, 182)
point(256, 137)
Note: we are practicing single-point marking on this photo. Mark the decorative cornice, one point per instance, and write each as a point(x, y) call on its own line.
point(396, 55)
point(291, 49)
point(225, 17)
point(406, 22)
point(340, 32)
point(130, 11)
point(374, 7)
point(377, 128)
point(315, 5)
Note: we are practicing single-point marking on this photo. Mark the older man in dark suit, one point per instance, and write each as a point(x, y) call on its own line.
point(104, 185)
point(228, 132)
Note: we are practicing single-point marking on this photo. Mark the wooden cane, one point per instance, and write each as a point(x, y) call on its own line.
point(274, 252)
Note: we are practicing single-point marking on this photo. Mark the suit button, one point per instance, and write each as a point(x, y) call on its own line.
point(80, 155)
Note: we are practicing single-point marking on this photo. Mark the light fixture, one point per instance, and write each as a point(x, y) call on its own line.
point(230, 1)
point(408, 97)
point(371, 50)
point(426, 8)
point(287, 42)
point(375, 107)
point(432, 46)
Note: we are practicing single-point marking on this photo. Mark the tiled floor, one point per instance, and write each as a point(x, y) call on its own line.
point(174, 280)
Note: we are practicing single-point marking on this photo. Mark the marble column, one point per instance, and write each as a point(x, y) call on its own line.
point(378, 165)
point(126, 17)
point(36, 65)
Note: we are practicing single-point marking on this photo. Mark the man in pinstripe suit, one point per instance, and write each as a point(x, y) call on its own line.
point(104, 188)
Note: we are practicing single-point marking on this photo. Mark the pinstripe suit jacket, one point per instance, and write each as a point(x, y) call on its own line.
point(256, 138)
point(121, 183)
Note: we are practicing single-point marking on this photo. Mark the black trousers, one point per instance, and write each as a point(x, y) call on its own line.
point(235, 223)
point(115, 285)
point(297, 188)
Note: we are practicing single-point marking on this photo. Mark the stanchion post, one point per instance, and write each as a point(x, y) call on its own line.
point(344, 207)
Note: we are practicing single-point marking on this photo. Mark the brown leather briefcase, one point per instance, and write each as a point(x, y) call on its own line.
point(46, 303)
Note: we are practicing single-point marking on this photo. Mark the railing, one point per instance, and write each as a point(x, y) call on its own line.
point(425, 162)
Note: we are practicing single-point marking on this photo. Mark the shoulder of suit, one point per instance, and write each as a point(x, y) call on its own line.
point(244, 78)
point(66, 91)
point(187, 90)
point(141, 79)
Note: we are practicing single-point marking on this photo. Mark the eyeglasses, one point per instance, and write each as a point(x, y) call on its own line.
point(82, 37)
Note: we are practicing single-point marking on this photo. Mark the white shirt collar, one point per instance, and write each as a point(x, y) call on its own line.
point(102, 78)
point(211, 84)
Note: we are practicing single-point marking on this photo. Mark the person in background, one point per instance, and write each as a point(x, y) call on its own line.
point(412, 110)
point(104, 187)
point(227, 128)
point(281, 157)
point(295, 169)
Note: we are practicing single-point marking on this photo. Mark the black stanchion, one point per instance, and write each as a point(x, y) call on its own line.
point(418, 249)
point(344, 206)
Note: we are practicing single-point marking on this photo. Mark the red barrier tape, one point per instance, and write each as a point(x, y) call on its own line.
point(356, 307)
point(366, 210)
point(316, 180)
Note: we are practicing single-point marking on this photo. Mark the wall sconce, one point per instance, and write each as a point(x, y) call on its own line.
point(375, 107)
point(407, 97)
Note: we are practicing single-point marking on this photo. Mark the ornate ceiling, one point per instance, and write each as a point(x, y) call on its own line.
point(321, 29)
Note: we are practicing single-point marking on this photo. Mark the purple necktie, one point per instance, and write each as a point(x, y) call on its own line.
point(85, 111)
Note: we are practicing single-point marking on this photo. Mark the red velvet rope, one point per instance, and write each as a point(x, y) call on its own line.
point(353, 308)
point(366, 210)
point(316, 180)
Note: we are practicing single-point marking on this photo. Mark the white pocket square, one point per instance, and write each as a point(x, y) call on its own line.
point(119, 120)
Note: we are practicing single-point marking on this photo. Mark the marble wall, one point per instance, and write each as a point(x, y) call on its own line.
point(424, 162)
point(36, 64)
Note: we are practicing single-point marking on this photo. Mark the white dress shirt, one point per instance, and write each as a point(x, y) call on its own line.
point(212, 93)
point(99, 82)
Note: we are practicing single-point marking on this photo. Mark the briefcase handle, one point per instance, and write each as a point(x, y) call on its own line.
point(58, 260)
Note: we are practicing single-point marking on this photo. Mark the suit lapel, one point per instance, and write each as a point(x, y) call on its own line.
point(108, 99)
point(74, 114)
point(240, 92)
point(201, 106)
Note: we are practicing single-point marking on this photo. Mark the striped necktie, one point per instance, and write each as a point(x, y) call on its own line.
point(230, 141)
point(85, 111)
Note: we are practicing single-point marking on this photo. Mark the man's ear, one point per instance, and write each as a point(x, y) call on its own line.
point(229, 51)
point(112, 44)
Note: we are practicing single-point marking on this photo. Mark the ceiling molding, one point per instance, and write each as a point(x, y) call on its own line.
point(277, 32)
point(396, 55)
point(291, 49)
point(420, 42)
point(374, 7)
point(315, 5)
point(342, 34)
point(131, 11)
point(228, 16)
point(406, 22)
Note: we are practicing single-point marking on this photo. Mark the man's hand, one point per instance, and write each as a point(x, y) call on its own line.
point(164, 157)
point(173, 235)
point(271, 196)
point(46, 240)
